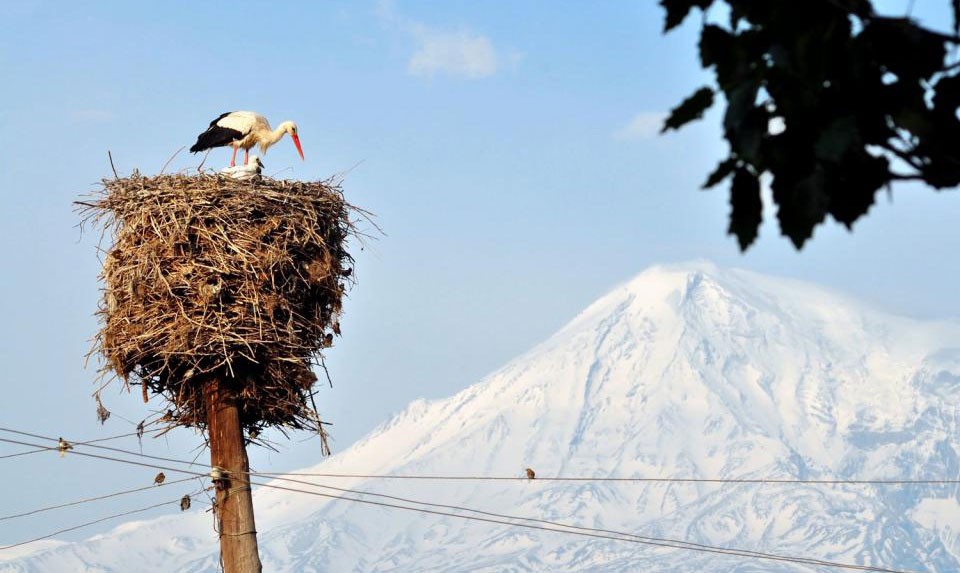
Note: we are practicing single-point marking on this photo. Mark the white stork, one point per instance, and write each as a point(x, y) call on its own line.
point(244, 129)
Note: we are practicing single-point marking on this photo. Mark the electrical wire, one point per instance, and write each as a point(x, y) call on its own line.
point(108, 448)
point(46, 449)
point(91, 499)
point(763, 481)
point(480, 512)
point(75, 527)
point(108, 458)
point(560, 527)
point(774, 481)
point(673, 544)
point(28, 452)
point(407, 500)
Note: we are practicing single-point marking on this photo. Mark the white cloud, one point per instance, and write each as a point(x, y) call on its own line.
point(644, 125)
point(462, 54)
point(459, 53)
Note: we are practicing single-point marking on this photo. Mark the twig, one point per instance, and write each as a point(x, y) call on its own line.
point(110, 155)
point(171, 159)
point(200, 167)
point(323, 364)
point(289, 168)
point(342, 175)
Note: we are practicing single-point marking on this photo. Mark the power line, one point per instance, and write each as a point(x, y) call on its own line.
point(407, 500)
point(65, 530)
point(783, 481)
point(616, 536)
point(91, 499)
point(47, 449)
point(462, 508)
point(108, 458)
point(763, 481)
point(28, 452)
point(118, 436)
point(673, 544)
point(92, 444)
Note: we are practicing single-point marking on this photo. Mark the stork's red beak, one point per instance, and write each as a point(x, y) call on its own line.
point(296, 141)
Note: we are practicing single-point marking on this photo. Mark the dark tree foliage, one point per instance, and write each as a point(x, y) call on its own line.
point(859, 100)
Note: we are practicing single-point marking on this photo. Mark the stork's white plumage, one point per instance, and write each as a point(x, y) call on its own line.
point(252, 168)
point(243, 130)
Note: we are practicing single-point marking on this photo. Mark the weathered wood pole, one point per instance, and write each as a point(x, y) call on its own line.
point(238, 533)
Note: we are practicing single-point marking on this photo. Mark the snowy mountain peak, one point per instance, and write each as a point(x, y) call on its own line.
point(701, 291)
point(686, 370)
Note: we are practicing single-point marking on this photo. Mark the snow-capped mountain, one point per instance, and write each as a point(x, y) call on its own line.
point(685, 371)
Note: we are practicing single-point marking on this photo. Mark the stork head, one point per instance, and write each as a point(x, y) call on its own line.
point(291, 128)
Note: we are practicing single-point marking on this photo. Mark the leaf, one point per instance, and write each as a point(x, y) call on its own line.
point(741, 99)
point(946, 99)
point(848, 83)
point(838, 138)
point(943, 172)
point(723, 170)
point(717, 48)
point(905, 48)
point(854, 184)
point(677, 11)
point(746, 207)
point(916, 120)
point(941, 169)
point(906, 104)
point(802, 202)
point(735, 17)
point(861, 8)
point(689, 109)
point(745, 123)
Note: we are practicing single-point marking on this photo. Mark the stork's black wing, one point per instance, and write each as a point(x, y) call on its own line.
point(216, 136)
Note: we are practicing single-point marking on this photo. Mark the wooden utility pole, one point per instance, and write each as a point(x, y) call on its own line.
point(238, 533)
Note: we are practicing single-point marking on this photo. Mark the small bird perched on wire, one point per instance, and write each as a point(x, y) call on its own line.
point(531, 474)
point(185, 502)
point(159, 479)
point(63, 446)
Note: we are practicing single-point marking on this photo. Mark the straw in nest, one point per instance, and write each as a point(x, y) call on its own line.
point(207, 276)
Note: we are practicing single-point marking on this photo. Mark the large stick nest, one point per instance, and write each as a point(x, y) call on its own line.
point(207, 276)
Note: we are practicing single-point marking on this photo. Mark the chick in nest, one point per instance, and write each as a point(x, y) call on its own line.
point(251, 170)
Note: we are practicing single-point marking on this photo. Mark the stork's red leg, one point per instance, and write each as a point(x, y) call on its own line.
point(246, 156)
point(233, 160)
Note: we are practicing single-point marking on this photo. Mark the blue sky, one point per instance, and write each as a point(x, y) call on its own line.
point(509, 153)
